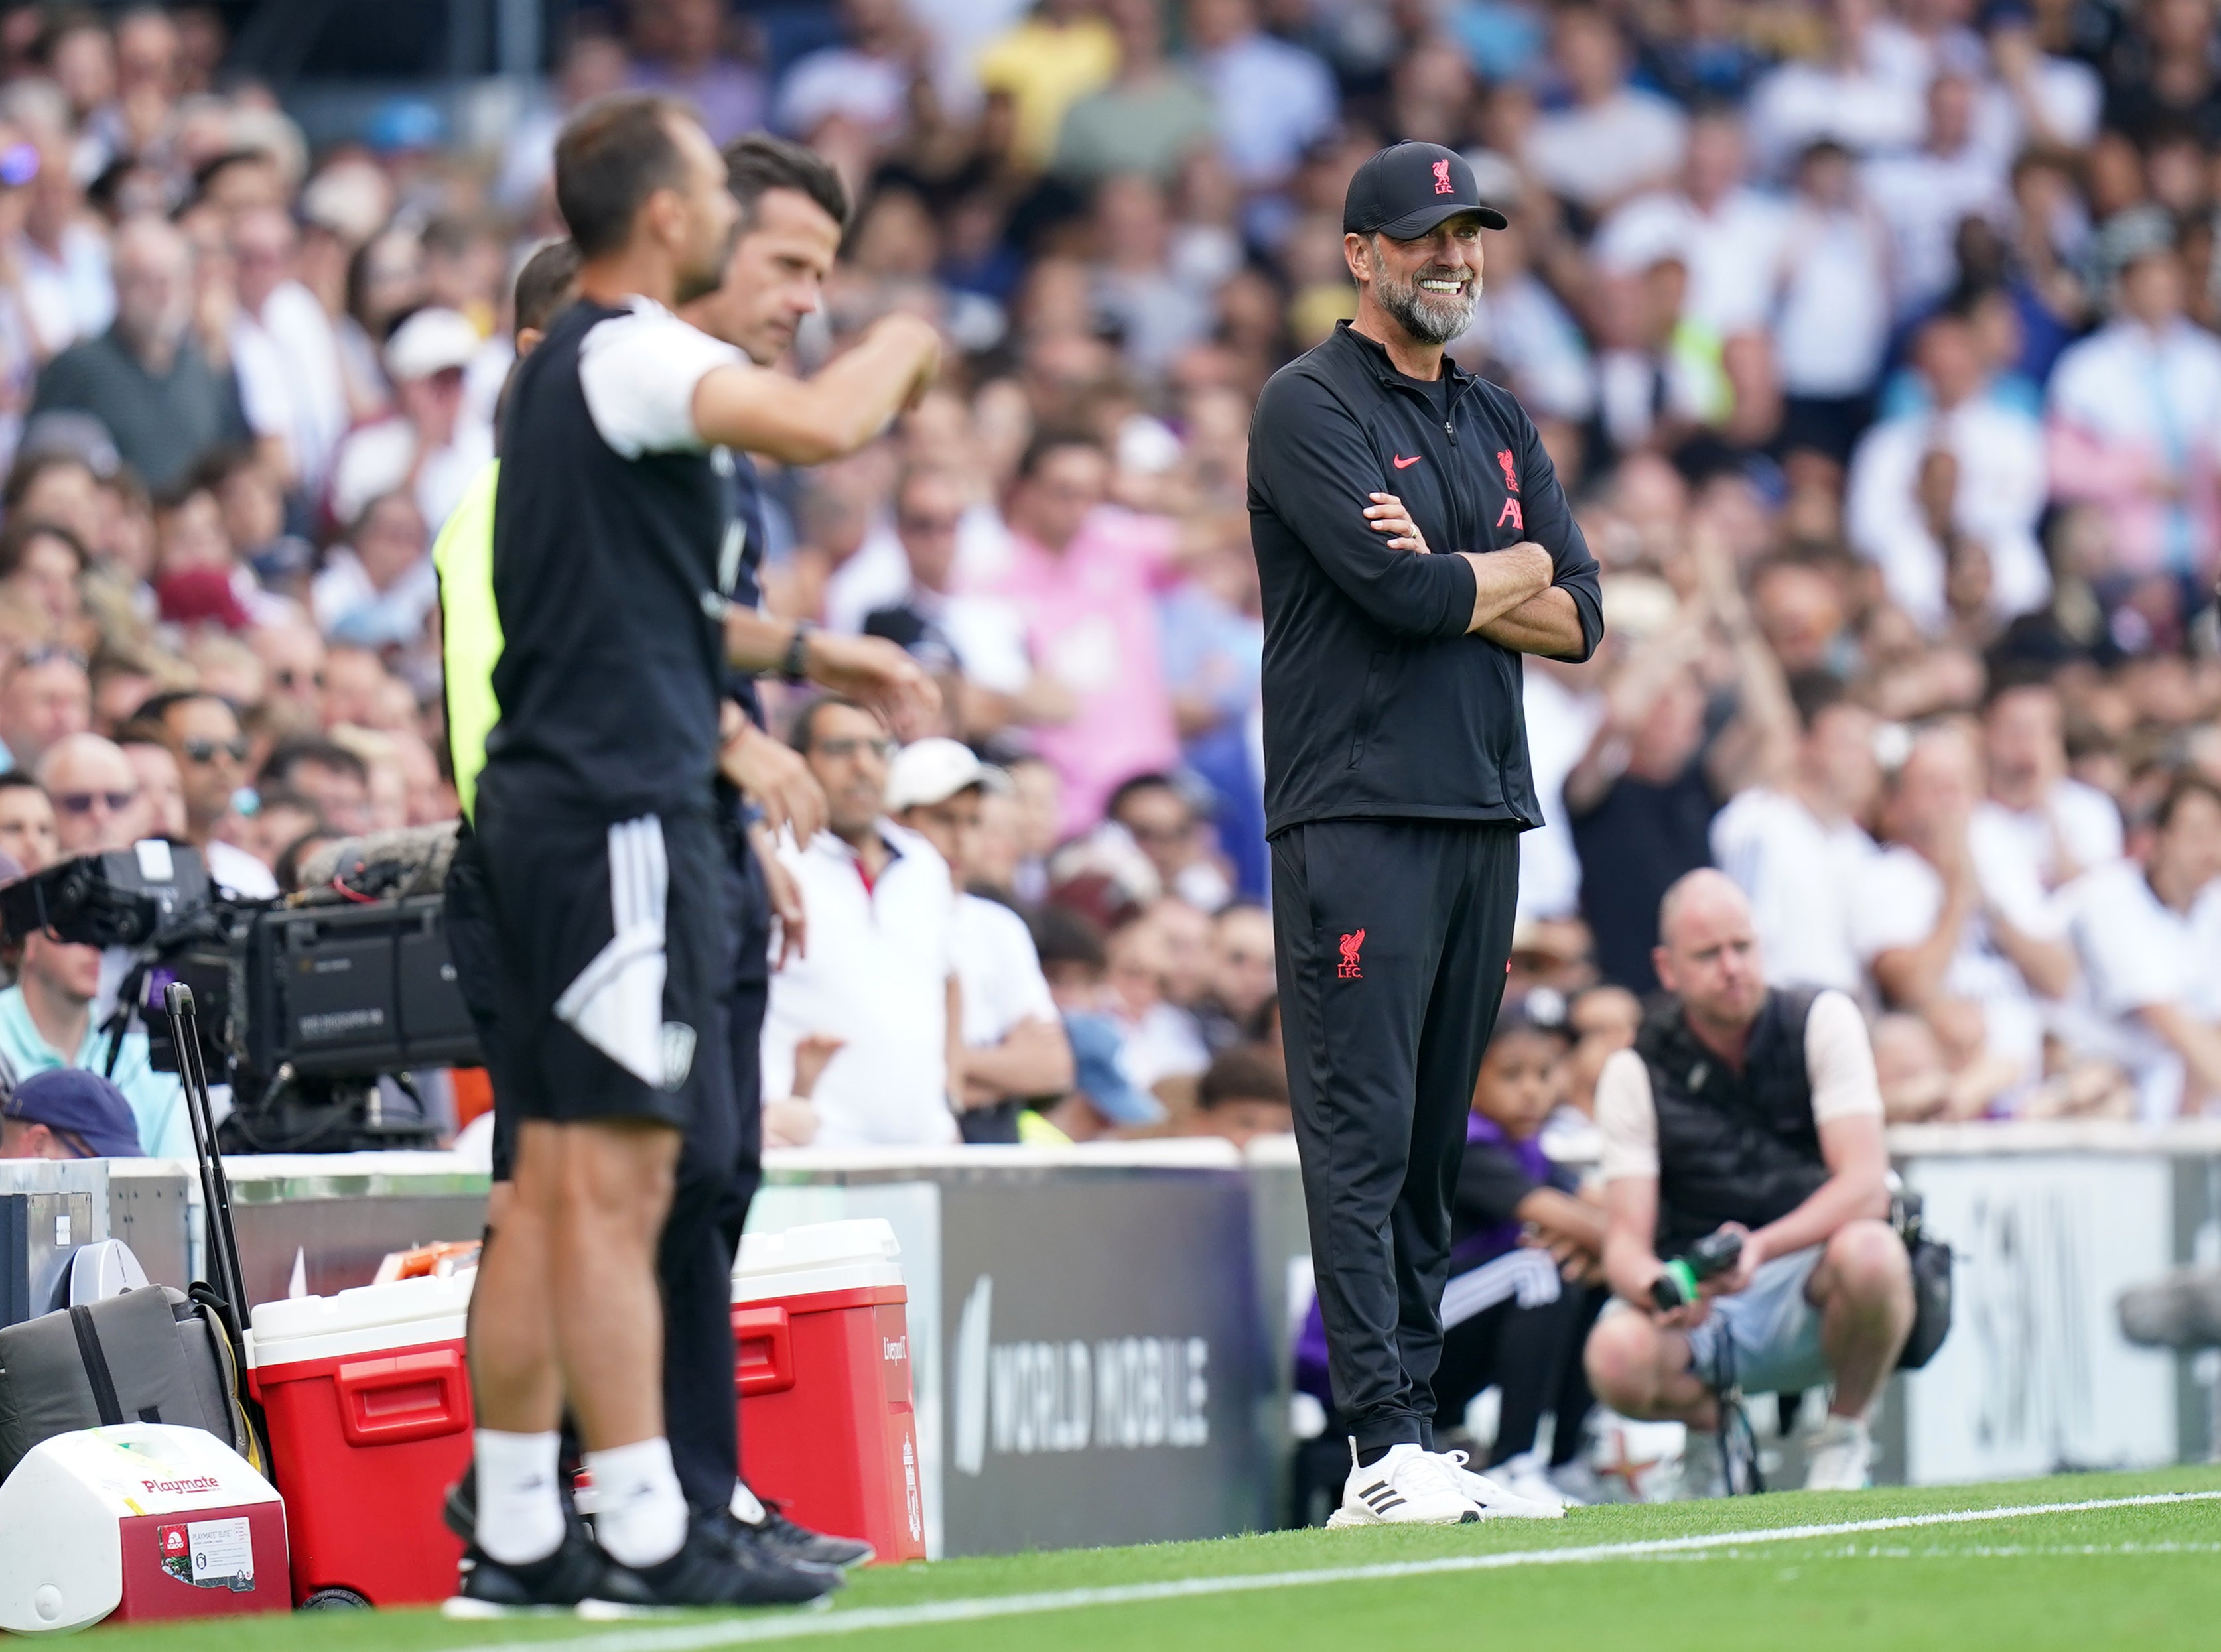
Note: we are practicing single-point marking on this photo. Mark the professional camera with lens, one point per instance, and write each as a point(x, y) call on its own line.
point(316, 1007)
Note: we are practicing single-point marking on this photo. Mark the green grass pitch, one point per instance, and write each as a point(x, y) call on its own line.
point(1852, 1570)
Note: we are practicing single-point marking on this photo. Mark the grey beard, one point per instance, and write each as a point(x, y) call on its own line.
point(1427, 317)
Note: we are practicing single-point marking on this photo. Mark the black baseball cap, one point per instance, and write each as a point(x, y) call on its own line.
point(1407, 189)
point(84, 1104)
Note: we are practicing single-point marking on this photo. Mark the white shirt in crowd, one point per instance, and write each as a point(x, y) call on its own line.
point(1832, 322)
point(1274, 100)
point(1730, 252)
point(2136, 954)
point(876, 976)
point(1923, 196)
point(1899, 901)
point(878, 576)
point(999, 973)
point(1869, 109)
point(1522, 324)
point(2000, 495)
point(1802, 875)
point(287, 359)
point(1592, 153)
point(2078, 819)
point(374, 459)
point(1838, 1060)
point(1559, 724)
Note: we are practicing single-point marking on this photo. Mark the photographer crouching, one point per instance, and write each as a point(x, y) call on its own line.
point(1745, 1113)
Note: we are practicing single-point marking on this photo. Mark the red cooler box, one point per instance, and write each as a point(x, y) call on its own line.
point(827, 1424)
point(369, 1403)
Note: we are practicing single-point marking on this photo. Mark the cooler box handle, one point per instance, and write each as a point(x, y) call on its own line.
point(409, 1397)
point(764, 1351)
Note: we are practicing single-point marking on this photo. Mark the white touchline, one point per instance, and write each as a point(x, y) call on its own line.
point(696, 1637)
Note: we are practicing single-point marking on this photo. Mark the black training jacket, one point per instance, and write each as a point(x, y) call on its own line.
point(1377, 704)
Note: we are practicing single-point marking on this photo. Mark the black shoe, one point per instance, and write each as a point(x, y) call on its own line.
point(490, 1588)
point(797, 1545)
point(710, 1569)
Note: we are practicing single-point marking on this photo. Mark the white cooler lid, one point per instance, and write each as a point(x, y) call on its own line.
point(819, 1256)
point(366, 1318)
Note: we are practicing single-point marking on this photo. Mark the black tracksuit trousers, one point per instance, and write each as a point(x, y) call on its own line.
point(1391, 937)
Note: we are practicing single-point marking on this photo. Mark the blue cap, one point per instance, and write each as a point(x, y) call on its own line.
point(84, 1103)
point(406, 123)
point(1099, 1071)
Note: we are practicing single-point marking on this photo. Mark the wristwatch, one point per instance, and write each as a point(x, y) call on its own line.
point(793, 665)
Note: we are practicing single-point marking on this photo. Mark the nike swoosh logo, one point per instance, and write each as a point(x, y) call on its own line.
point(1403, 463)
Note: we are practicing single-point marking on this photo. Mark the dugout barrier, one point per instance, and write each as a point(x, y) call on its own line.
point(1100, 1333)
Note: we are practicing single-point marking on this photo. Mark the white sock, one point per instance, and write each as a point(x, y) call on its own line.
point(746, 1509)
point(520, 1508)
point(640, 1513)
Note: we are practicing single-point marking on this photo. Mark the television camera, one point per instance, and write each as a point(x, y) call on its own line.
point(317, 1006)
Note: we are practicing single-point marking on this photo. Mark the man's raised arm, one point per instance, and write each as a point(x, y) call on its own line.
point(829, 414)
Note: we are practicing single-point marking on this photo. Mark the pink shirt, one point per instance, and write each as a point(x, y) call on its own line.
point(1092, 624)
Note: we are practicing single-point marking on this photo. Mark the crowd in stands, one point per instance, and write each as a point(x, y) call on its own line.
point(1875, 342)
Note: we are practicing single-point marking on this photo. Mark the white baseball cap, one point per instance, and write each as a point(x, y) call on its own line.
point(930, 771)
point(430, 341)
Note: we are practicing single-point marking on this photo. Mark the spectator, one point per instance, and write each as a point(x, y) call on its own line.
point(41, 566)
point(879, 982)
point(1939, 925)
point(292, 656)
point(46, 695)
point(2036, 815)
point(160, 780)
point(1998, 463)
point(334, 781)
point(1015, 1048)
point(1244, 1094)
point(1926, 194)
point(1083, 574)
point(2147, 934)
point(429, 445)
point(98, 802)
point(2133, 412)
point(1148, 119)
point(1832, 317)
point(682, 50)
point(863, 83)
point(985, 638)
point(1161, 820)
point(1857, 94)
point(28, 835)
point(46, 1024)
point(203, 735)
point(1274, 99)
point(378, 590)
point(165, 405)
point(1241, 978)
point(1105, 1096)
point(1730, 236)
point(70, 1116)
point(1057, 53)
point(1612, 140)
point(280, 325)
point(1155, 313)
point(1160, 1040)
point(1800, 850)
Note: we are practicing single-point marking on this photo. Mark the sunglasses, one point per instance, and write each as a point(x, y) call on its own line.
point(47, 654)
point(207, 751)
point(287, 677)
point(86, 802)
point(840, 750)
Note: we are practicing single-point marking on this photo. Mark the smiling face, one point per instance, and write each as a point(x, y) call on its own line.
point(1430, 286)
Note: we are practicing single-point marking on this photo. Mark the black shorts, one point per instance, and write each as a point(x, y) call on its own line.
point(474, 947)
point(609, 943)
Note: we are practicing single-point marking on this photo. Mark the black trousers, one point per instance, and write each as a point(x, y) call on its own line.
point(1393, 937)
point(720, 1163)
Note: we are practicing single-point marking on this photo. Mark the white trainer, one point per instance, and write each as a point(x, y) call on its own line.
point(1524, 1476)
point(1839, 1456)
point(1500, 1501)
point(1406, 1487)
